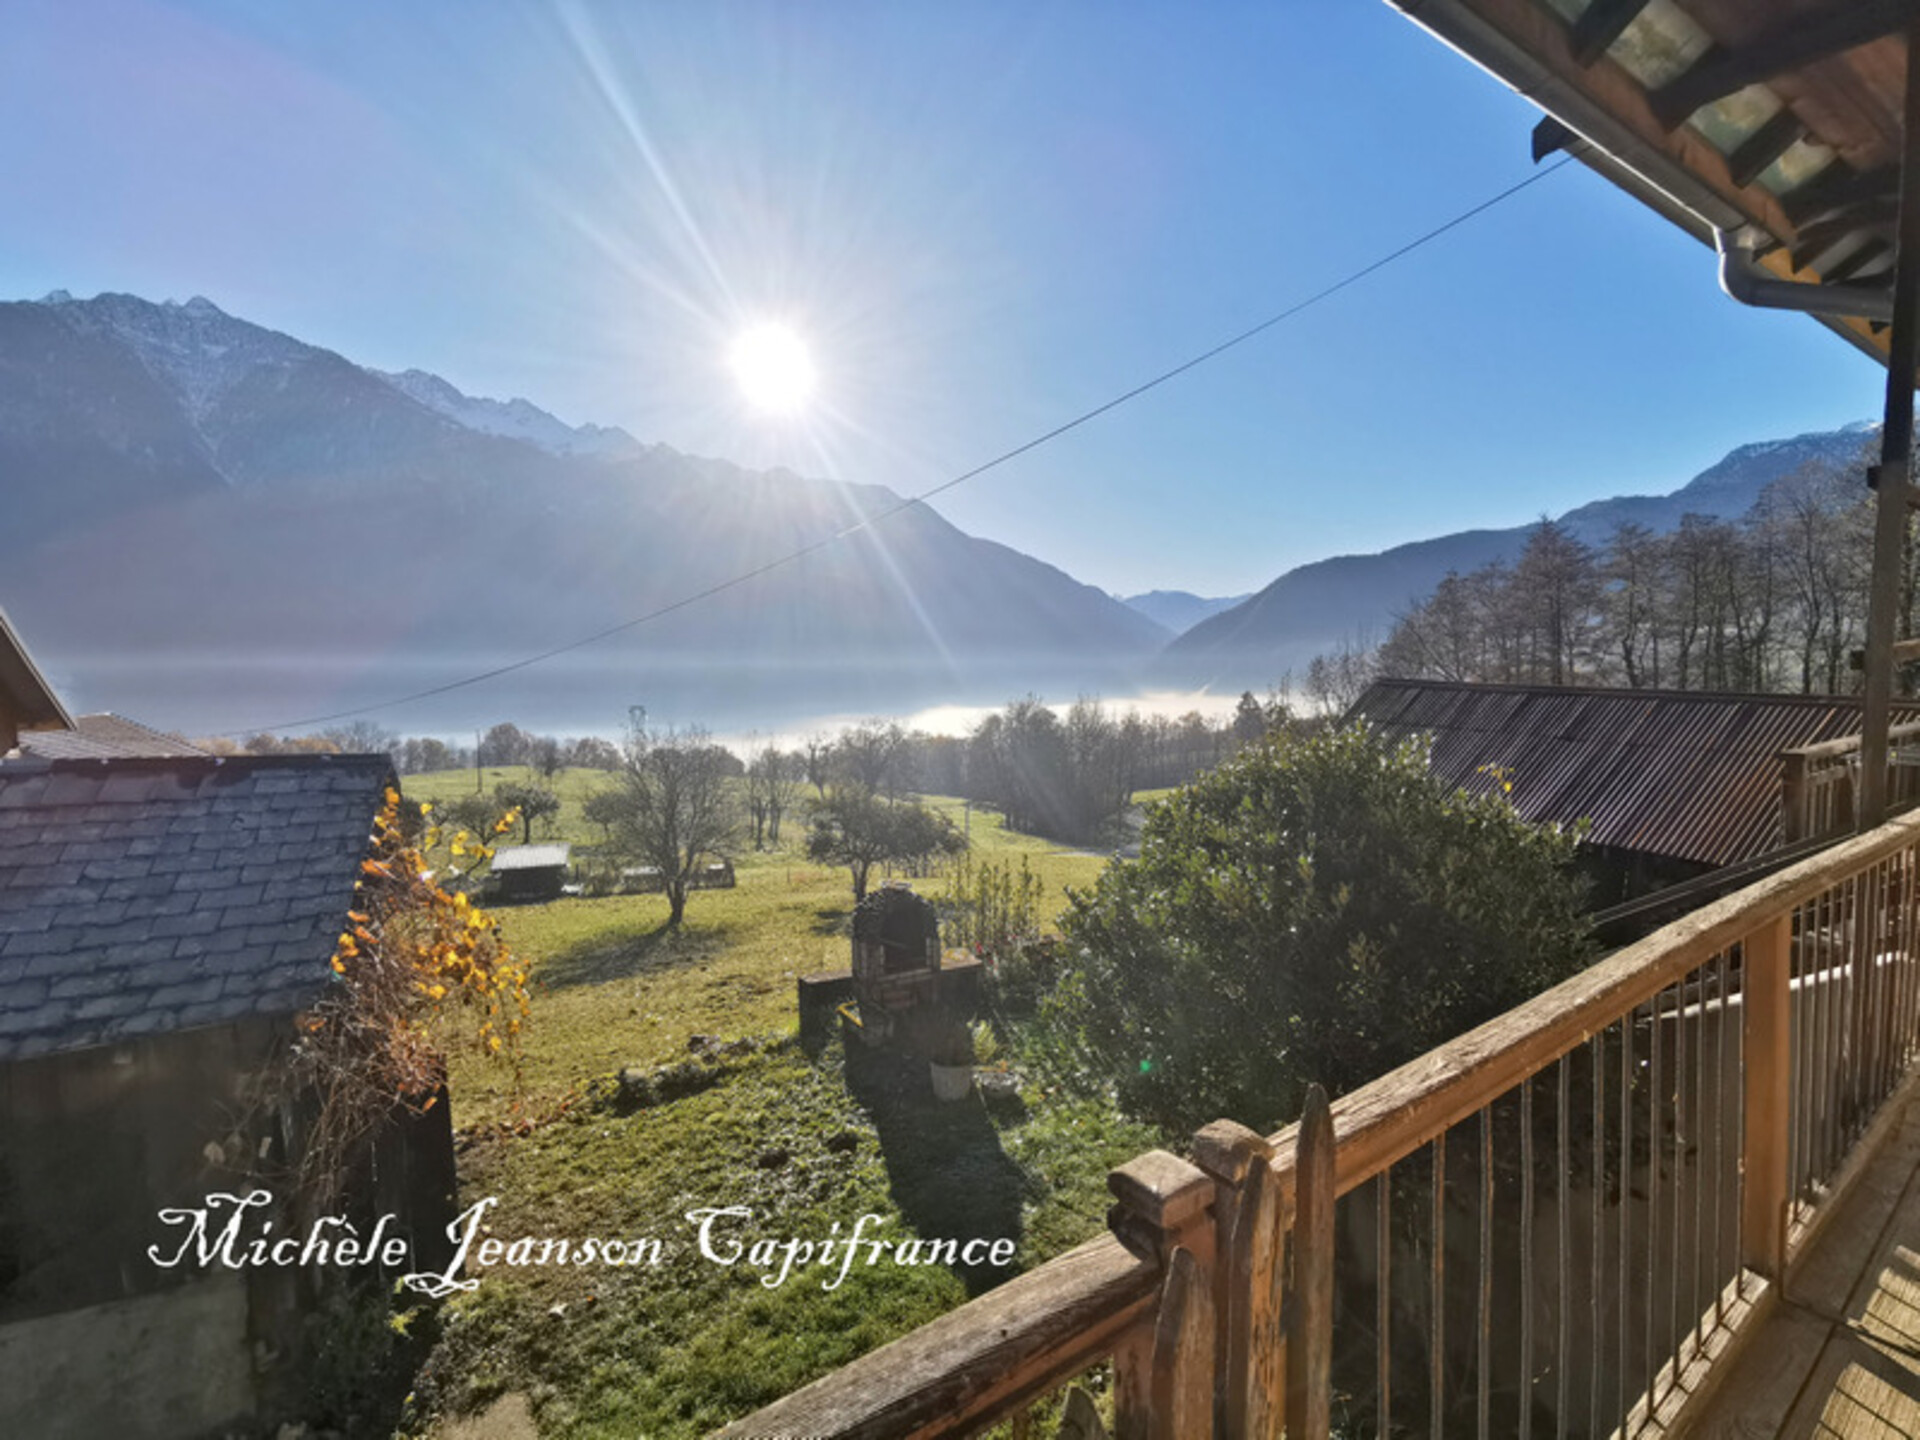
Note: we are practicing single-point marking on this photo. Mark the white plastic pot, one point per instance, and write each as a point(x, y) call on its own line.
point(951, 1082)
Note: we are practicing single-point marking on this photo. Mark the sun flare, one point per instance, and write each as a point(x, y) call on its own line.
point(773, 367)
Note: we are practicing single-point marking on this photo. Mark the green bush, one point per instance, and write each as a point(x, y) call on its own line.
point(1316, 909)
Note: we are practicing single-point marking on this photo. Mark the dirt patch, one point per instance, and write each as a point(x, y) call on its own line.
point(508, 1418)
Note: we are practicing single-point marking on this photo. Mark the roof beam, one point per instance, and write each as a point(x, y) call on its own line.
point(1764, 146)
point(1599, 25)
point(1837, 188)
point(1801, 41)
point(1821, 234)
point(1853, 263)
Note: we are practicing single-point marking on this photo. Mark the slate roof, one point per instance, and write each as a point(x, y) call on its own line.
point(1687, 775)
point(100, 737)
point(147, 895)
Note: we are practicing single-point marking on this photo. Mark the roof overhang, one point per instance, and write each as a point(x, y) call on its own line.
point(1780, 119)
point(24, 692)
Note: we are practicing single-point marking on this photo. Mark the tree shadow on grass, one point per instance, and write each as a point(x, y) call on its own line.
point(831, 920)
point(945, 1167)
point(596, 961)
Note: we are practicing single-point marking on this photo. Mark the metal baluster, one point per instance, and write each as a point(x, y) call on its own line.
point(1739, 1128)
point(1483, 1373)
point(1597, 1068)
point(1655, 1103)
point(1526, 1258)
point(1684, 1137)
point(1622, 1300)
point(1436, 1361)
point(1383, 1301)
point(1563, 1401)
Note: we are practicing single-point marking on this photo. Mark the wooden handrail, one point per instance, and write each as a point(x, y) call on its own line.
point(1041, 1329)
point(1389, 1118)
point(992, 1354)
point(1849, 744)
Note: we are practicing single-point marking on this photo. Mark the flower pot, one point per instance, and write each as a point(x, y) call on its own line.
point(951, 1082)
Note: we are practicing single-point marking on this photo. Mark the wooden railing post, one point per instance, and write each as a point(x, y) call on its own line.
point(1310, 1327)
point(1795, 824)
point(1163, 1372)
point(1766, 1059)
point(1250, 1220)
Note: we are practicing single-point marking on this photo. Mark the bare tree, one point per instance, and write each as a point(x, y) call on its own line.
point(871, 756)
point(1337, 679)
point(679, 807)
point(1557, 589)
point(774, 779)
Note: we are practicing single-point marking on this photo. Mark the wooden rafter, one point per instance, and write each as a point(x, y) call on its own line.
point(1599, 26)
point(1797, 43)
point(1764, 146)
point(1835, 189)
point(1857, 259)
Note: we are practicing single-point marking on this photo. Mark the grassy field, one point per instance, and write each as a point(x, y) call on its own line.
point(803, 1141)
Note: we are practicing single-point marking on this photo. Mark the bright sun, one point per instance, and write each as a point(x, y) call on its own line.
point(773, 368)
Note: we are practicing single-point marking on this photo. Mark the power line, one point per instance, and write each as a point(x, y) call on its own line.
point(995, 463)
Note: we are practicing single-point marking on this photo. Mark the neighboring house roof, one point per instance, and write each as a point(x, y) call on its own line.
point(100, 737)
point(530, 857)
point(148, 895)
point(1685, 775)
point(27, 702)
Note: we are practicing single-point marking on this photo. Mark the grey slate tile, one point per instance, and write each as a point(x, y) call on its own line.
point(167, 893)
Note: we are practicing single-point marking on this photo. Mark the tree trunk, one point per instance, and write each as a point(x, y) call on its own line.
point(859, 868)
point(676, 901)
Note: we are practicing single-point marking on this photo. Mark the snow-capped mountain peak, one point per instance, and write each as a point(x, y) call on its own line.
point(515, 419)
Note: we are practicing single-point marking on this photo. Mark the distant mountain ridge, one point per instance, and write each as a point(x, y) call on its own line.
point(514, 419)
point(1179, 610)
point(251, 518)
point(203, 512)
point(1355, 599)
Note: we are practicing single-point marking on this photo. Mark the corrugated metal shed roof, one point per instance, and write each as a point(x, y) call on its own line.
point(147, 895)
point(1679, 774)
point(530, 857)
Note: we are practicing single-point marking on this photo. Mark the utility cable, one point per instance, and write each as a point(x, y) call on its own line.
point(995, 463)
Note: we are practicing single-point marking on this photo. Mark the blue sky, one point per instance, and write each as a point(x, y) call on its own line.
point(985, 218)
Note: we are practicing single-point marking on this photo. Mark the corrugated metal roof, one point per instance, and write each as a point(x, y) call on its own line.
point(530, 857)
point(1678, 774)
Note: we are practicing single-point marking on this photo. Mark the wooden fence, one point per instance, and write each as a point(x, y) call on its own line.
point(1557, 1224)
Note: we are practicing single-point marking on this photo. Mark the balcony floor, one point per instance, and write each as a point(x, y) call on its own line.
point(1840, 1355)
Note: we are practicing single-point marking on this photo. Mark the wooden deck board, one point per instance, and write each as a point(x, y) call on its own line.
point(1839, 1359)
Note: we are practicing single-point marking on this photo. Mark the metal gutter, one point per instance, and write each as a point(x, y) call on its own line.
point(1610, 147)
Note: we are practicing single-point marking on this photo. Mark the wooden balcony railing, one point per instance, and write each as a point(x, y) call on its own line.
point(1818, 784)
point(1558, 1224)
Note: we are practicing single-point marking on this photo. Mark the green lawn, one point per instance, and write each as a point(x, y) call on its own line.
point(804, 1141)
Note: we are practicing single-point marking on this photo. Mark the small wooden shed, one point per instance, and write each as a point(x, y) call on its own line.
point(530, 872)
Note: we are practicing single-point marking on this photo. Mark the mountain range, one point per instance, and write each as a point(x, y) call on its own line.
point(215, 526)
point(1353, 600)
